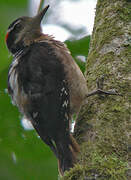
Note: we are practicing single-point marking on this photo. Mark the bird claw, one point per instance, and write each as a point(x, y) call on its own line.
point(100, 91)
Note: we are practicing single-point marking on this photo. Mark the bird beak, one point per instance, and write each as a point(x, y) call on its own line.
point(38, 18)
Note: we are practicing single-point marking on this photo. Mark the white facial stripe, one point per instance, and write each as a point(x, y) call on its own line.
point(9, 30)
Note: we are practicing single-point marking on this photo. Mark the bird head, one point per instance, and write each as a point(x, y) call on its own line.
point(23, 31)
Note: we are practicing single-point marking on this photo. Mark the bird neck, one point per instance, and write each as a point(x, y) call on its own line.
point(16, 48)
point(22, 44)
point(45, 38)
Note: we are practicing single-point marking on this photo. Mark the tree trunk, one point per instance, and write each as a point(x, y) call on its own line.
point(102, 128)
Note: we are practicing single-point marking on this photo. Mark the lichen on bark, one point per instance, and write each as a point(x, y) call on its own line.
point(103, 127)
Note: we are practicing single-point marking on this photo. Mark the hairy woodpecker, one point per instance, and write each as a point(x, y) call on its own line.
point(46, 85)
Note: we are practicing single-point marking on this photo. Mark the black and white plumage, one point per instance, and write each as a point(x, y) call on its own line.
point(46, 85)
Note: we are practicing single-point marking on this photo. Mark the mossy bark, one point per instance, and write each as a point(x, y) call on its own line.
point(103, 127)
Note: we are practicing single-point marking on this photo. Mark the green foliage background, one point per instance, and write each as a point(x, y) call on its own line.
point(23, 156)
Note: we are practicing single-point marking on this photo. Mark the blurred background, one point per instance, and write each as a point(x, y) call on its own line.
point(23, 156)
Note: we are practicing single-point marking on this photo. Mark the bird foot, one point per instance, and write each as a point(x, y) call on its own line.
point(100, 91)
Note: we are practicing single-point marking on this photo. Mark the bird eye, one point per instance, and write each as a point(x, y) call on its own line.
point(15, 25)
point(18, 26)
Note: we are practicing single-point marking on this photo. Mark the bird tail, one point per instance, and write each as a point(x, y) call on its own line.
point(65, 149)
point(67, 153)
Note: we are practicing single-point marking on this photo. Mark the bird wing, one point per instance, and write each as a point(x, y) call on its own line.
point(42, 78)
point(42, 94)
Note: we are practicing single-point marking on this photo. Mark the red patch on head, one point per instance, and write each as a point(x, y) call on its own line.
point(6, 37)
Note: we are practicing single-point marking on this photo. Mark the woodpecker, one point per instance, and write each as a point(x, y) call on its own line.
point(46, 85)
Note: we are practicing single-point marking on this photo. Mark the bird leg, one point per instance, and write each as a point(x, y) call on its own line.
point(100, 90)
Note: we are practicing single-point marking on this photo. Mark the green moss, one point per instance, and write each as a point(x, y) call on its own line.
point(125, 12)
point(105, 154)
point(75, 173)
point(110, 15)
point(102, 127)
point(107, 36)
point(93, 72)
point(95, 165)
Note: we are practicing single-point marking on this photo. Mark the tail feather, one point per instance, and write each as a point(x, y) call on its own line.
point(67, 153)
point(74, 144)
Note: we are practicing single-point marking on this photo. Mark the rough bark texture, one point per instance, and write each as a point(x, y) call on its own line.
point(103, 127)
